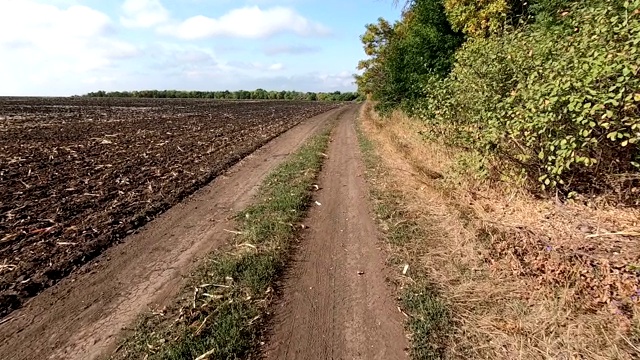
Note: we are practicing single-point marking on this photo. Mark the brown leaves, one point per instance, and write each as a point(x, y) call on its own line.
point(598, 282)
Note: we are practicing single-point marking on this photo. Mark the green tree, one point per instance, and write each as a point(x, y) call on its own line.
point(374, 40)
point(402, 57)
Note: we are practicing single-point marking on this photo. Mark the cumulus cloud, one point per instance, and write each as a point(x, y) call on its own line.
point(27, 20)
point(61, 47)
point(247, 22)
point(143, 13)
point(43, 45)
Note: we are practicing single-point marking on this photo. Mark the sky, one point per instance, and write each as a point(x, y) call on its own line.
point(71, 47)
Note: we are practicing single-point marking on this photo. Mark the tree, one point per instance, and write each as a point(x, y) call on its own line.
point(401, 57)
point(374, 40)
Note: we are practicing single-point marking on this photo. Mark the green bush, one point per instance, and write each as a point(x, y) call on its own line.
point(548, 12)
point(560, 101)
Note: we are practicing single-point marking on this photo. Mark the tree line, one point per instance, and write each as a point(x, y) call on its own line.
point(258, 94)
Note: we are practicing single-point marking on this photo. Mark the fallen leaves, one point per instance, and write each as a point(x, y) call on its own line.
point(597, 281)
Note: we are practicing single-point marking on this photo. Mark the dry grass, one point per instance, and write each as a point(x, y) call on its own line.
point(526, 278)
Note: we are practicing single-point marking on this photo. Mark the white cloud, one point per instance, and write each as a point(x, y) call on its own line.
point(247, 22)
point(290, 50)
point(233, 75)
point(44, 46)
point(32, 21)
point(339, 80)
point(61, 47)
point(143, 13)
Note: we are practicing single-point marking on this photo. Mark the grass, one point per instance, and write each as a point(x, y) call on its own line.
point(429, 318)
point(227, 298)
point(521, 277)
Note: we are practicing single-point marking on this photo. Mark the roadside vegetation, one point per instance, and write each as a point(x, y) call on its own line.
point(503, 274)
point(510, 132)
point(258, 94)
point(545, 93)
point(407, 240)
point(224, 306)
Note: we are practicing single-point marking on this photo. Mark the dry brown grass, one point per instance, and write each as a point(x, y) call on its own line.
point(526, 278)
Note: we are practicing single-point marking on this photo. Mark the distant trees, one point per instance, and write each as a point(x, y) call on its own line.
point(258, 94)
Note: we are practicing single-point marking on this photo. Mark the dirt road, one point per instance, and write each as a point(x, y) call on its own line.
point(80, 317)
point(336, 302)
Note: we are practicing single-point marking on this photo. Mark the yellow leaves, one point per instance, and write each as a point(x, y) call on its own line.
point(477, 17)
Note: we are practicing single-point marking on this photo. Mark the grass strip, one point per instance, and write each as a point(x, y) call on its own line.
point(429, 318)
point(228, 296)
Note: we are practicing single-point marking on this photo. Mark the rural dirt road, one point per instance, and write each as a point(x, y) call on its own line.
point(336, 303)
point(81, 317)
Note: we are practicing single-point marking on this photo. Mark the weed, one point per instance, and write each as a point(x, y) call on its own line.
point(522, 277)
point(429, 321)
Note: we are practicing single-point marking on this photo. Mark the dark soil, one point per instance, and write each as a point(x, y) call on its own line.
point(77, 175)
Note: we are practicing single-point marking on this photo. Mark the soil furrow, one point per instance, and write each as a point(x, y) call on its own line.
point(78, 179)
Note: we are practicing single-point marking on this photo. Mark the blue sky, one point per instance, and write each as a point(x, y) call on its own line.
point(67, 47)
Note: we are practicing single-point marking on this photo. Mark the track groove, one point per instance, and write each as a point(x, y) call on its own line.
point(336, 304)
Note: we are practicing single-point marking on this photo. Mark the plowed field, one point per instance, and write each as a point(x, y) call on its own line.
point(78, 175)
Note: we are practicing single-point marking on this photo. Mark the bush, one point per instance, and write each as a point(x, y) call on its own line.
point(481, 18)
point(478, 17)
point(561, 102)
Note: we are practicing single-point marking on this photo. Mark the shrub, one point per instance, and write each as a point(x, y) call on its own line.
point(481, 18)
point(477, 17)
point(561, 102)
